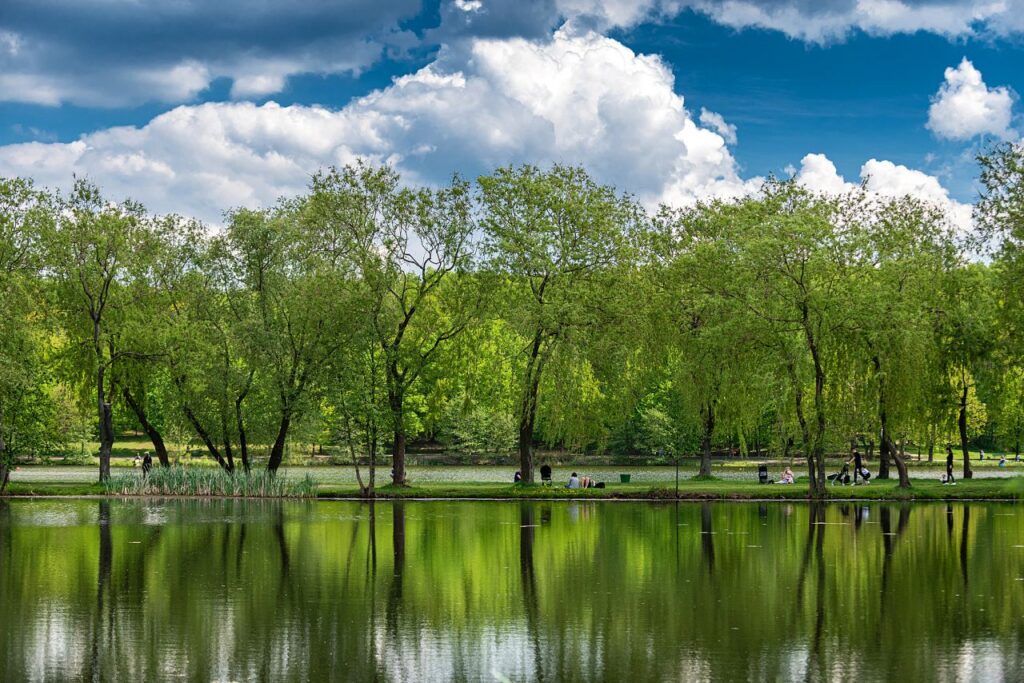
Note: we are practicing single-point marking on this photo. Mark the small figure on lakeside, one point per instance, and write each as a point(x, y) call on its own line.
point(574, 482)
point(147, 463)
point(858, 467)
point(518, 477)
point(981, 454)
point(137, 460)
point(1002, 461)
point(787, 476)
point(841, 477)
point(949, 465)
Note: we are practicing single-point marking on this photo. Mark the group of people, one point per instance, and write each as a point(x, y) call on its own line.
point(584, 482)
point(575, 480)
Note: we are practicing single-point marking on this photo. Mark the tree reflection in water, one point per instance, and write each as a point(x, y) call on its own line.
point(539, 591)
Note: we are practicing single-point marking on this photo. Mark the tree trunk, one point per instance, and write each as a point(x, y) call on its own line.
point(883, 457)
point(961, 423)
point(708, 414)
point(396, 400)
point(818, 489)
point(151, 431)
point(805, 432)
point(243, 442)
point(528, 408)
point(205, 437)
point(277, 451)
point(5, 470)
point(886, 447)
point(106, 425)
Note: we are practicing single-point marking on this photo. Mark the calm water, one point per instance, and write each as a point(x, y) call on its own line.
point(235, 590)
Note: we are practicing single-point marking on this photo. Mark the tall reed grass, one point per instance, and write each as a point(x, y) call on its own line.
point(202, 481)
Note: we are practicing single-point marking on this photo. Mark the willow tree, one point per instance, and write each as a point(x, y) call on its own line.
point(93, 250)
point(407, 246)
point(291, 302)
point(906, 248)
point(556, 239)
point(783, 259)
point(965, 331)
point(24, 215)
point(719, 362)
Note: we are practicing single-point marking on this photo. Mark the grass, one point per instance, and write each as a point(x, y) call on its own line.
point(189, 481)
point(981, 489)
point(205, 481)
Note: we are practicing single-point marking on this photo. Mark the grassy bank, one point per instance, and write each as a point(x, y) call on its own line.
point(982, 489)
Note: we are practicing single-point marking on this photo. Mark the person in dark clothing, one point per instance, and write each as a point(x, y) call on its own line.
point(858, 465)
point(518, 477)
point(147, 464)
point(949, 465)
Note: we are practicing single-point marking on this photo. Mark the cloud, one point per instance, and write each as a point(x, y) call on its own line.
point(965, 107)
point(814, 21)
point(819, 174)
point(576, 98)
point(101, 53)
point(717, 122)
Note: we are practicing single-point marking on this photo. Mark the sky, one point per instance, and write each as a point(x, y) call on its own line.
point(196, 108)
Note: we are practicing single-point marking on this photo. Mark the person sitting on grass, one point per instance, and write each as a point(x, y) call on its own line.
point(518, 477)
point(787, 476)
point(574, 482)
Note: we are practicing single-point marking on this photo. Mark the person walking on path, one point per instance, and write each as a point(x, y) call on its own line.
point(147, 464)
point(949, 465)
point(858, 465)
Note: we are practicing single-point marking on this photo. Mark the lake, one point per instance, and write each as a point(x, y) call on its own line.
point(540, 590)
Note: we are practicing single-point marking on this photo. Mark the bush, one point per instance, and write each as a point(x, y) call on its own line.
point(196, 481)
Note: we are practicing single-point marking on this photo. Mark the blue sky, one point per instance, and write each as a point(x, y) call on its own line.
point(198, 107)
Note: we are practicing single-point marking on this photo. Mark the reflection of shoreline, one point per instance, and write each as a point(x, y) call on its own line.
point(638, 591)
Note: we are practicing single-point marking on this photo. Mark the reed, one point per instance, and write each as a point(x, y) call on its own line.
point(202, 481)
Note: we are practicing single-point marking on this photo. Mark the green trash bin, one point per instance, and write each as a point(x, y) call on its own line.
point(624, 478)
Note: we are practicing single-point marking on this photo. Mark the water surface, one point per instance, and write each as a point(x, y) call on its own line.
point(536, 590)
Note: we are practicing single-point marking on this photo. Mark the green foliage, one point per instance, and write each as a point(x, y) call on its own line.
point(535, 306)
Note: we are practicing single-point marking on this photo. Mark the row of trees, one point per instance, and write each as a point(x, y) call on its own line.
point(534, 307)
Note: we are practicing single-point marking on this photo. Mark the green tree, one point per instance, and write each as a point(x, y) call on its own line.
point(408, 246)
point(93, 251)
point(555, 238)
point(24, 214)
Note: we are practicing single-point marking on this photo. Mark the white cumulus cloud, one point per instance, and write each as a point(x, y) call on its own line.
point(965, 107)
point(818, 173)
point(821, 21)
point(576, 98)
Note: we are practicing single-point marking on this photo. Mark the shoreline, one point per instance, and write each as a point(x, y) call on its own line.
point(992, 490)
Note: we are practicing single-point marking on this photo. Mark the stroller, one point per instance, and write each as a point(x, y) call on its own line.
point(762, 475)
point(842, 477)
